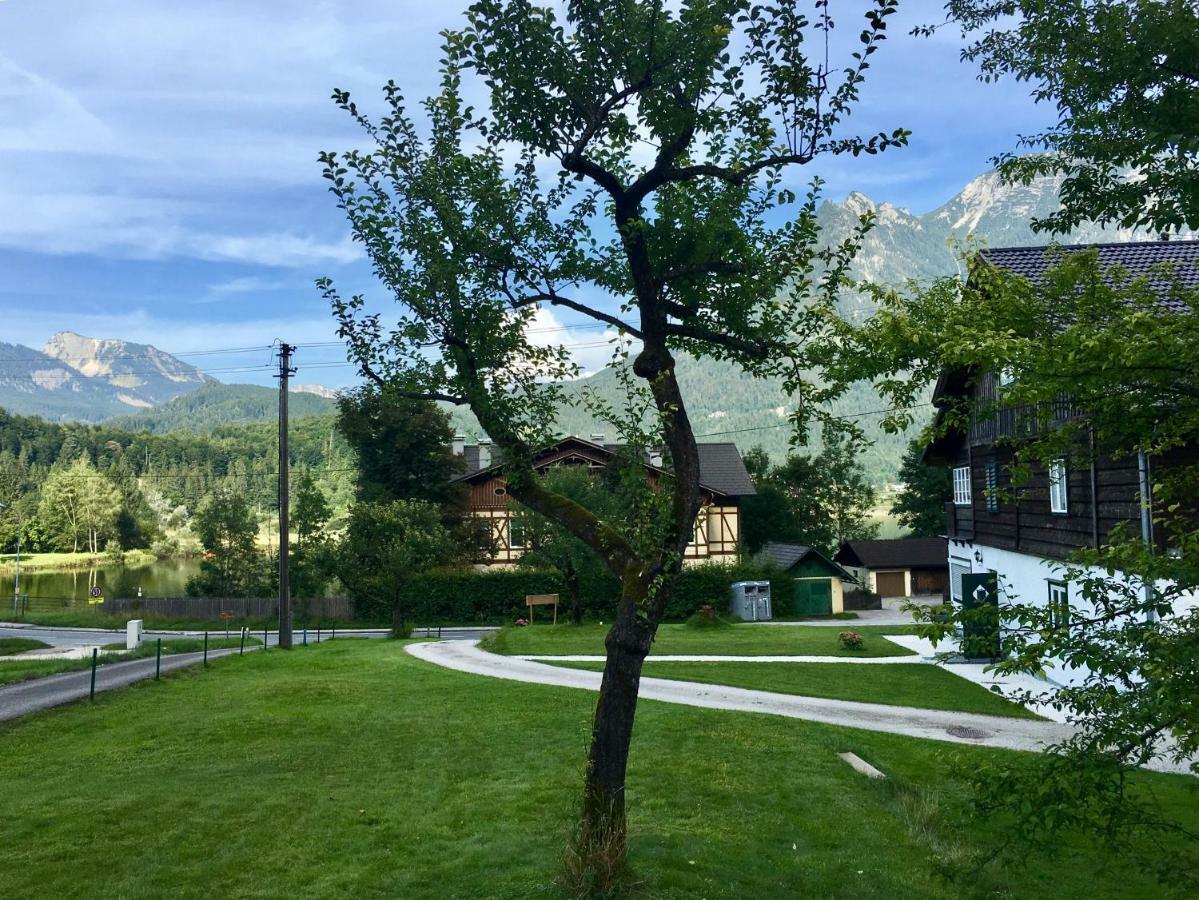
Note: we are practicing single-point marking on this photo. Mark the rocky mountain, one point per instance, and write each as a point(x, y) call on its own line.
point(80, 378)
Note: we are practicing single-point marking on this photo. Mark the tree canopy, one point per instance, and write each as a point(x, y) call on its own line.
point(1124, 76)
point(628, 167)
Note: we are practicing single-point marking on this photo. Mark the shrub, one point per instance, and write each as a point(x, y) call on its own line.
point(706, 617)
point(498, 595)
point(851, 640)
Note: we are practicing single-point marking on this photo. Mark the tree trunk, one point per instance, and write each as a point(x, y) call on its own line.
point(570, 579)
point(599, 858)
point(398, 629)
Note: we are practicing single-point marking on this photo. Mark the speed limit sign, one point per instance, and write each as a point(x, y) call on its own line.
point(96, 592)
point(97, 596)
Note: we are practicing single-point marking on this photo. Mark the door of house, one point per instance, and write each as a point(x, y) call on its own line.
point(890, 584)
point(814, 596)
point(980, 615)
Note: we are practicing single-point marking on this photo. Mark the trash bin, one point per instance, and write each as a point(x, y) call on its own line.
point(750, 601)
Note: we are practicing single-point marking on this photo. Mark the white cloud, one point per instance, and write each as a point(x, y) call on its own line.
point(591, 348)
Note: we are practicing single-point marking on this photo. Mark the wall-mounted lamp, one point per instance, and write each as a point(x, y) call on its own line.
point(978, 556)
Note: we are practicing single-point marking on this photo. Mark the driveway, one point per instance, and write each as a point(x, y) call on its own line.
point(954, 727)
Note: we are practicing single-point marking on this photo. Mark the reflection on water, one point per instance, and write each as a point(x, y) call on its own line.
point(161, 578)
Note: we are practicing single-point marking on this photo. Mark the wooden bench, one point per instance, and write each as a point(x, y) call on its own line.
point(532, 600)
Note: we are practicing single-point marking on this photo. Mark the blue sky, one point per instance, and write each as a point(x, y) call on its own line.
point(158, 175)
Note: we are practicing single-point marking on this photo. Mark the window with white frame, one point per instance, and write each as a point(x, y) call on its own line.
point(1059, 605)
point(961, 486)
point(1058, 487)
point(518, 534)
point(1006, 376)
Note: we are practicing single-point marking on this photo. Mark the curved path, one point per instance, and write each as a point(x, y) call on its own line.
point(939, 725)
point(657, 658)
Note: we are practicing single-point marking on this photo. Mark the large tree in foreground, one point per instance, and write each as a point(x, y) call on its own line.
point(631, 167)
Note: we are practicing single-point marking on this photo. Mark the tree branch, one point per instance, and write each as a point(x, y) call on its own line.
point(696, 333)
point(558, 300)
point(368, 372)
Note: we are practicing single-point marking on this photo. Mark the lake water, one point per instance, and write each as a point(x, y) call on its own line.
point(161, 578)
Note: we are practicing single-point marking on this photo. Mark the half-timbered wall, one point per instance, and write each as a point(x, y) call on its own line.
point(716, 536)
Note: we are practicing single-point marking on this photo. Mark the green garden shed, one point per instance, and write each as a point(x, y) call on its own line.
point(817, 583)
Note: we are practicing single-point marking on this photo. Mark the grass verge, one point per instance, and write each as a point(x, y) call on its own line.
point(330, 772)
point(739, 640)
point(20, 645)
point(929, 687)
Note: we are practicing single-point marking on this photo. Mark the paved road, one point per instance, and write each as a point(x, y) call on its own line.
point(90, 637)
point(55, 690)
point(42, 693)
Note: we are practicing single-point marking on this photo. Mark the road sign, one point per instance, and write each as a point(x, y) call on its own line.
point(96, 592)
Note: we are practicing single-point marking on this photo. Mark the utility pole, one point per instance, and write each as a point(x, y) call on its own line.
point(285, 371)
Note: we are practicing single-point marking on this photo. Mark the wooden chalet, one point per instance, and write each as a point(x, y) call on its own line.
point(723, 481)
point(1016, 539)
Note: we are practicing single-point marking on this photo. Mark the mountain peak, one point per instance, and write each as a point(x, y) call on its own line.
point(142, 374)
point(858, 203)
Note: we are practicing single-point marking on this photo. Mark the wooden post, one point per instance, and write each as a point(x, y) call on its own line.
point(532, 600)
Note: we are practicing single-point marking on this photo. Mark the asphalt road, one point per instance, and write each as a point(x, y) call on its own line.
point(89, 637)
point(55, 690)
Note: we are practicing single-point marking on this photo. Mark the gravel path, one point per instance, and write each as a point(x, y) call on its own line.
point(955, 727)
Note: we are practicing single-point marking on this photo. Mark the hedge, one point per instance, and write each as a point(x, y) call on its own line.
point(496, 596)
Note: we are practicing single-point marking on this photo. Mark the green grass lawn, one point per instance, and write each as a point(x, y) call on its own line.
point(13, 670)
point(735, 640)
point(353, 770)
point(20, 645)
point(915, 685)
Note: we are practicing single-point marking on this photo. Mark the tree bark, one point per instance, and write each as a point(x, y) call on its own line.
point(397, 618)
point(570, 579)
point(601, 843)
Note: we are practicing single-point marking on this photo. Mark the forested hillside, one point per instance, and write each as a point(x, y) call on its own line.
point(215, 405)
point(159, 477)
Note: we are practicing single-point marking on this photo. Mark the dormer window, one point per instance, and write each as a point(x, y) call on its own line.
point(961, 486)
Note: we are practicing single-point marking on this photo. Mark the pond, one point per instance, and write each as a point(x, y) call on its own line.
point(161, 578)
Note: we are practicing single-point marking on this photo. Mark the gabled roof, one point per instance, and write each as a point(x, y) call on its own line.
point(1138, 257)
point(721, 468)
point(786, 556)
point(897, 553)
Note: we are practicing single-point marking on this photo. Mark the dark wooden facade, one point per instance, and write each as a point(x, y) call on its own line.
point(1101, 492)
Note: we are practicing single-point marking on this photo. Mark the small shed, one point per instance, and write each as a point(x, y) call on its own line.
point(818, 583)
point(901, 567)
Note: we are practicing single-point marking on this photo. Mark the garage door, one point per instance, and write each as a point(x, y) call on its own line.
point(889, 584)
point(814, 596)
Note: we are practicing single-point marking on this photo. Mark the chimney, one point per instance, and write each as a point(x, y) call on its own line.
point(597, 438)
point(458, 445)
point(484, 453)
